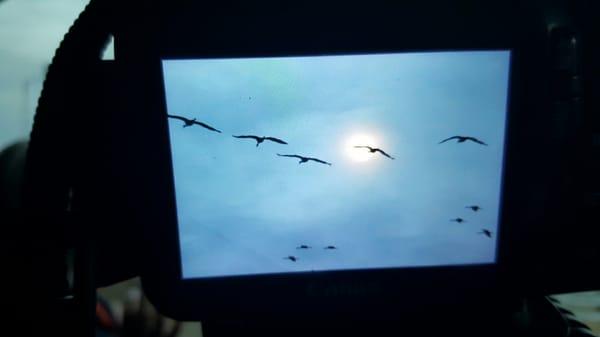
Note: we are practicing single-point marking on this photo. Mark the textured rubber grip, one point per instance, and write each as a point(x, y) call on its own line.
point(49, 167)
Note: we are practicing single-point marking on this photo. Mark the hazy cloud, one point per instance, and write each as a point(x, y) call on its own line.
point(246, 208)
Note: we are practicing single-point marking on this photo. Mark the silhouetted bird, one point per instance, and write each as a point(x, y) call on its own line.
point(462, 139)
point(189, 122)
point(459, 220)
point(262, 139)
point(330, 247)
point(291, 258)
point(475, 208)
point(304, 159)
point(486, 232)
point(374, 149)
point(303, 247)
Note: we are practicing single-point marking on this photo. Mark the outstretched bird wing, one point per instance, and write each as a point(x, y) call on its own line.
point(319, 161)
point(247, 136)
point(486, 233)
point(363, 147)
point(383, 153)
point(447, 139)
point(476, 140)
point(276, 140)
point(290, 155)
point(206, 126)
point(179, 117)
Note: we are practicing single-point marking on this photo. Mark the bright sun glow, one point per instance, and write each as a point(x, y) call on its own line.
point(359, 155)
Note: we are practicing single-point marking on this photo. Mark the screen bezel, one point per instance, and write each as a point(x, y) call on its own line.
point(336, 283)
point(339, 291)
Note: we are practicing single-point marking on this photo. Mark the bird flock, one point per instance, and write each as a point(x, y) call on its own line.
point(474, 209)
point(187, 122)
point(303, 159)
point(294, 258)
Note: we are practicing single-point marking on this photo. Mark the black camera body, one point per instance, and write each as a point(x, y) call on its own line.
point(543, 127)
point(127, 186)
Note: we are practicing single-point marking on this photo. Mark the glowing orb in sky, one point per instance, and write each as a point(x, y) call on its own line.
point(359, 155)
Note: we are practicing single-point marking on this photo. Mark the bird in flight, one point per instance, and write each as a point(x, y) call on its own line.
point(304, 159)
point(462, 139)
point(486, 232)
point(262, 139)
point(303, 247)
point(475, 208)
point(459, 220)
point(373, 150)
point(291, 258)
point(189, 122)
point(330, 247)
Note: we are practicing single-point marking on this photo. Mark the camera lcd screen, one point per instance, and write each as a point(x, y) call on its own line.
point(321, 163)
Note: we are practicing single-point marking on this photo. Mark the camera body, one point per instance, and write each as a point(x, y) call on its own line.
point(530, 226)
point(127, 187)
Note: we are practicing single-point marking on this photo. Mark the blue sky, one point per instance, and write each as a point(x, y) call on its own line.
point(242, 209)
